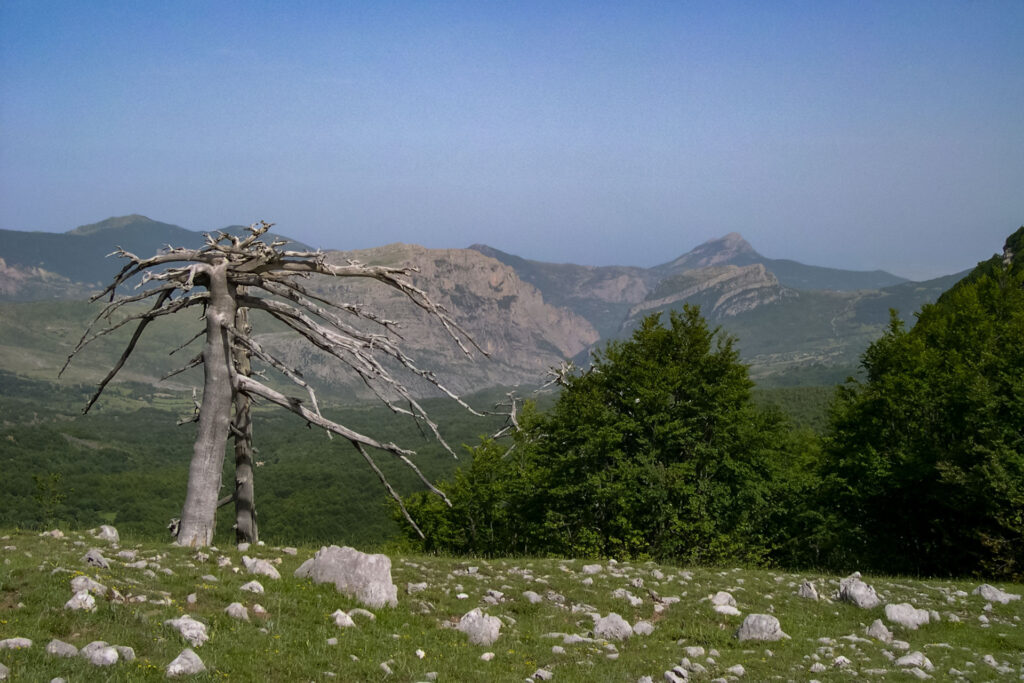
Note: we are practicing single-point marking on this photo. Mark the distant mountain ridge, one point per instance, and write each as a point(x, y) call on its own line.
point(530, 314)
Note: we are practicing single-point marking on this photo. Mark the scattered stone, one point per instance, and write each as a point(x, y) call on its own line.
point(364, 577)
point(1003, 668)
point(58, 648)
point(736, 670)
point(414, 588)
point(723, 598)
point(259, 611)
point(532, 597)
point(15, 643)
point(243, 547)
point(592, 569)
point(677, 675)
point(127, 653)
point(993, 594)
point(856, 592)
point(107, 533)
point(694, 651)
point(841, 662)
point(185, 664)
point(237, 610)
point(915, 659)
point(542, 675)
point(253, 586)
point(342, 619)
point(81, 601)
point(487, 656)
point(878, 631)
point(100, 653)
point(612, 627)
point(53, 533)
point(481, 628)
point(191, 630)
point(94, 558)
point(808, 591)
point(84, 583)
point(760, 627)
point(906, 615)
point(260, 567)
point(728, 610)
point(643, 628)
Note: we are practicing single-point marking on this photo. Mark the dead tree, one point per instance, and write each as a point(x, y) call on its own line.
point(227, 277)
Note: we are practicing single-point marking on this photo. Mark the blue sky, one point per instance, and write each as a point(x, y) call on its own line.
point(848, 134)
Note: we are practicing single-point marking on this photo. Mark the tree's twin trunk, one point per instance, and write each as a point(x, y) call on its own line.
point(245, 493)
point(204, 476)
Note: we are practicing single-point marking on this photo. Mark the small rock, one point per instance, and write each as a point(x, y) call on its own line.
point(532, 597)
point(58, 648)
point(643, 628)
point(126, 653)
point(760, 627)
point(252, 587)
point(185, 664)
point(107, 533)
point(81, 601)
point(915, 659)
point(237, 610)
point(342, 619)
point(191, 630)
point(481, 628)
point(841, 662)
point(612, 627)
point(694, 651)
point(260, 567)
point(878, 631)
point(100, 653)
point(906, 615)
point(736, 670)
point(94, 558)
point(414, 588)
point(808, 591)
point(84, 583)
point(723, 598)
point(994, 594)
point(487, 656)
point(542, 675)
point(856, 592)
point(15, 643)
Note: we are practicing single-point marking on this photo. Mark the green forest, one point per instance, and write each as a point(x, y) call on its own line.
point(664, 449)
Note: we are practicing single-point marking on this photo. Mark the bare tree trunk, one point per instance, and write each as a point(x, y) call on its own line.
point(245, 486)
point(204, 474)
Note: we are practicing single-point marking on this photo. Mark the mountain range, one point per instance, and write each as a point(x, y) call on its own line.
point(795, 323)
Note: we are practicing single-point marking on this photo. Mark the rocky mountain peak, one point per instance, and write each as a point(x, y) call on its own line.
point(731, 249)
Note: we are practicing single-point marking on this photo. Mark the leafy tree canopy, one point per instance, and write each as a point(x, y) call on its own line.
point(656, 451)
point(927, 453)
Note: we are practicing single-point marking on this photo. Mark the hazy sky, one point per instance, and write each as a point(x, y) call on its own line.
point(852, 134)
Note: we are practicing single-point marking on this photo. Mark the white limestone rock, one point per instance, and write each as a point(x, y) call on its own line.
point(107, 533)
point(84, 583)
point(237, 610)
point(253, 586)
point(81, 601)
point(993, 594)
point(15, 643)
point(363, 576)
point(915, 659)
point(185, 664)
point(94, 558)
point(612, 627)
point(760, 627)
point(260, 567)
point(191, 630)
point(906, 615)
point(807, 591)
point(879, 631)
point(58, 648)
point(481, 628)
point(856, 592)
point(342, 619)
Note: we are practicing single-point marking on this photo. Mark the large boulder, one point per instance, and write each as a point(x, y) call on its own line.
point(993, 594)
point(612, 627)
point(365, 577)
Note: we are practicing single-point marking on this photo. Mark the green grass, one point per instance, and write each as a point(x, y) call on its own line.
point(291, 644)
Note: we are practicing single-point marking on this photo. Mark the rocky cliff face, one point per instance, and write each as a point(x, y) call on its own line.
point(721, 291)
point(508, 318)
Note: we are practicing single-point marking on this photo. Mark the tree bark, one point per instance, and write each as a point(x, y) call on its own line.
point(204, 475)
point(246, 530)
